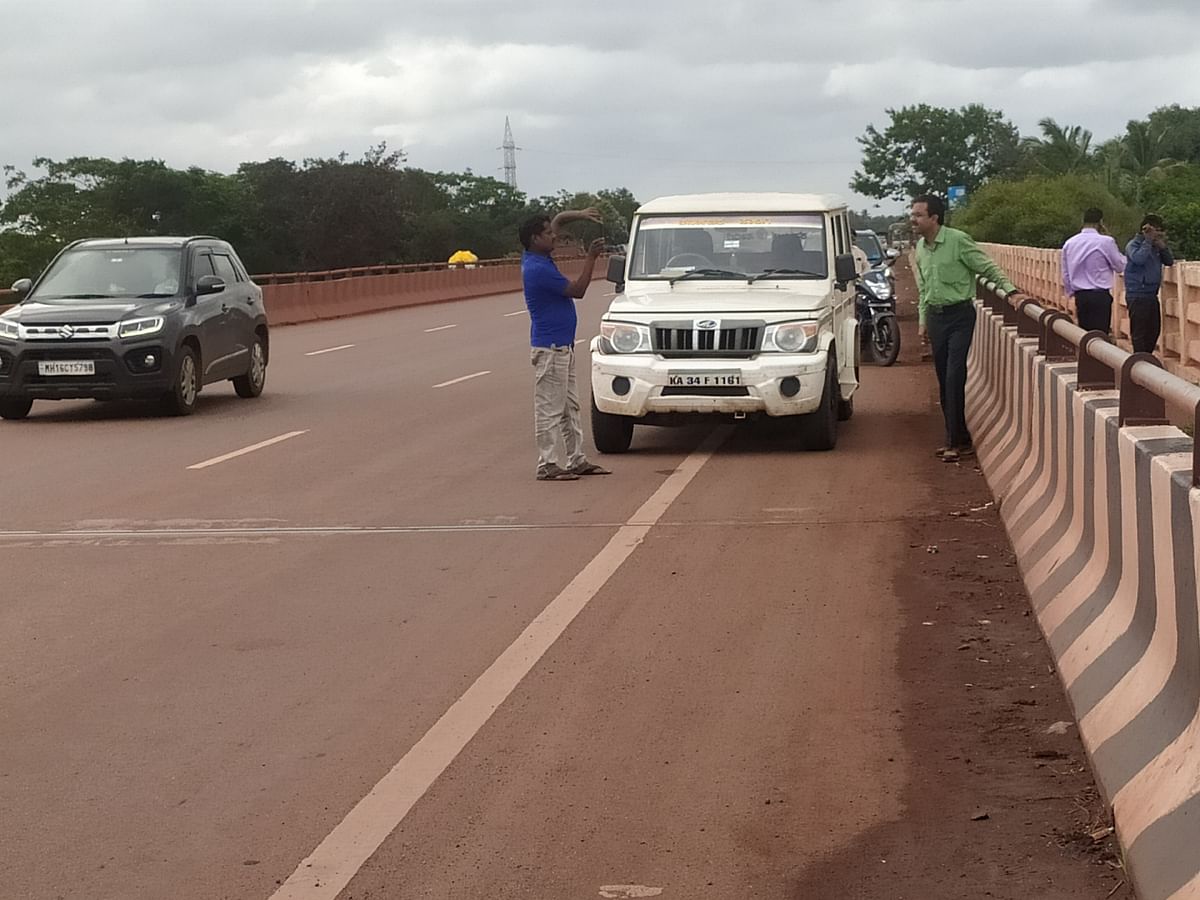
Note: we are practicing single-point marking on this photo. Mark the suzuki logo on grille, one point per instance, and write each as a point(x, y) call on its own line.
point(706, 324)
point(66, 332)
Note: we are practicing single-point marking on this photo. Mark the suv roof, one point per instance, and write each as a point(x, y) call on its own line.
point(744, 203)
point(141, 241)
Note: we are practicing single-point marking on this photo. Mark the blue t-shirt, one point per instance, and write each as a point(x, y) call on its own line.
point(551, 311)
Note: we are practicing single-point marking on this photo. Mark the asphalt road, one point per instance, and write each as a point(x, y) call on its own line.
point(373, 657)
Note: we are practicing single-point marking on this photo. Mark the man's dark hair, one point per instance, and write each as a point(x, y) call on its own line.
point(531, 227)
point(935, 205)
point(1152, 219)
point(1093, 216)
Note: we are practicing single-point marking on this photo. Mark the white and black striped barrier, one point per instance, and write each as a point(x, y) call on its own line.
point(1101, 499)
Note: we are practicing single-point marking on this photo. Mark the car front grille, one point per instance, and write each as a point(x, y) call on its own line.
point(726, 339)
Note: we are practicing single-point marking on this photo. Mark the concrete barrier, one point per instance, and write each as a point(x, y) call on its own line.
point(313, 296)
point(1104, 519)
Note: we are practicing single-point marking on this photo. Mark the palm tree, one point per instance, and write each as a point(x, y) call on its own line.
point(1142, 157)
point(1060, 150)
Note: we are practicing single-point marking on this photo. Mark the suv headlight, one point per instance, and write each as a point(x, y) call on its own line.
point(9, 330)
point(625, 337)
point(792, 337)
point(141, 327)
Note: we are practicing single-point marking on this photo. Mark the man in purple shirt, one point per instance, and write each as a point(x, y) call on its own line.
point(1089, 261)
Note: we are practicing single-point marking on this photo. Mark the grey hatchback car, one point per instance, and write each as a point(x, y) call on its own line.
point(153, 318)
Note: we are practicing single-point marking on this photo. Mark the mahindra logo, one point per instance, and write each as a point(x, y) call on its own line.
point(66, 332)
point(706, 324)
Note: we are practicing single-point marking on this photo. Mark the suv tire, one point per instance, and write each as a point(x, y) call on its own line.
point(251, 384)
point(185, 386)
point(818, 430)
point(15, 407)
point(612, 434)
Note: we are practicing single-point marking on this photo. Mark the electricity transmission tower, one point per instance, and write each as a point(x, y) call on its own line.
point(510, 156)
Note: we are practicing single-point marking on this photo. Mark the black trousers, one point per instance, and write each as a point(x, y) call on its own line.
point(1094, 310)
point(951, 330)
point(1145, 323)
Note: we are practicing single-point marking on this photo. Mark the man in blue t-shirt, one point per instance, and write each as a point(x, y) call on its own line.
point(550, 298)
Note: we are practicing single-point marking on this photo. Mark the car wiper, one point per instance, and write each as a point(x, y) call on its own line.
point(771, 273)
point(83, 297)
point(708, 273)
point(152, 296)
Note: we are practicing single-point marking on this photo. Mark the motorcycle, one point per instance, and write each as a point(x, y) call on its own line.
point(875, 305)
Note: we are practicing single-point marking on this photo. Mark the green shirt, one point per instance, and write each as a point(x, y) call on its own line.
point(946, 270)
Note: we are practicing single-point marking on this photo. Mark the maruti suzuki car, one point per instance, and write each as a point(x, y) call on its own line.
point(152, 318)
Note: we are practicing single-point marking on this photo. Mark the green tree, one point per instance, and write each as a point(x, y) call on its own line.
point(1042, 211)
point(1061, 150)
point(1180, 130)
point(1175, 195)
point(927, 149)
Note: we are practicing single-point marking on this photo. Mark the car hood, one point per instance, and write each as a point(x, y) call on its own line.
point(73, 312)
point(758, 298)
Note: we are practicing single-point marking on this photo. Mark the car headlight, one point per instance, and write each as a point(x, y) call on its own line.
point(624, 337)
point(141, 327)
point(792, 337)
point(9, 330)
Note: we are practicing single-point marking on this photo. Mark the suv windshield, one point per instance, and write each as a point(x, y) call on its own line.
point(730, 247)
point(89, 273)
point(868, 243)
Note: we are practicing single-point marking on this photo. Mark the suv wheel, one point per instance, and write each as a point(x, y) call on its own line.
point(252, 383)
point(181, 399)
point(612, 434)
point(818, 430)
point(15, 407)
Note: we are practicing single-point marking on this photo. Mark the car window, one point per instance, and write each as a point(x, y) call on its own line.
point(118, 272)
point(225, 270)
point(201, 266)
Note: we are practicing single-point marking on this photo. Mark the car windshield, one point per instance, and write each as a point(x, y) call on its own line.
point(730, 247)
point(90, 273)
point(868, 243)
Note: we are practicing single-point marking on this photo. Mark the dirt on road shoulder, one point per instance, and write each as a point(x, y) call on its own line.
point(1001, 802)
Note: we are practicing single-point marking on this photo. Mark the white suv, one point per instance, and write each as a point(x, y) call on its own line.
point(733, 305)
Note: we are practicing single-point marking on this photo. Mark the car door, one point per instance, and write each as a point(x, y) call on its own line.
point(239, 319)
point(212, 314)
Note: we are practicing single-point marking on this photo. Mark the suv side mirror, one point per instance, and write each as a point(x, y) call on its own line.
point(209, 284)
point(844, 269)
point(616, 270)
point(22, 286)
point(892, 253)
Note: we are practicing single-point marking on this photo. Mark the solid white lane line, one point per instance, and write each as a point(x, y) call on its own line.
point(519, 312)
point(330, 350)
point(236, 453)
point(580, 341)
point(464, 378)
point(337, 859)
point(439, 328)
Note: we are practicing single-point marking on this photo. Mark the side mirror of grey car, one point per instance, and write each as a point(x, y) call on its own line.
point(892, 253)
point(844, 269)
point(209, 284)
point(22, 286)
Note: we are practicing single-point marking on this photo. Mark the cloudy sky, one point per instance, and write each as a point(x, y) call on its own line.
point(660, 96)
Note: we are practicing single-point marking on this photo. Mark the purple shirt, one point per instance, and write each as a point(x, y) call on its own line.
point(1089, 260)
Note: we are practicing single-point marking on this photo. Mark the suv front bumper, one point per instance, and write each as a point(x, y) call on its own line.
point(114, 377)
point(765, 384)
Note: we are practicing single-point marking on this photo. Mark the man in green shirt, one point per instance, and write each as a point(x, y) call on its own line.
point(947, 262)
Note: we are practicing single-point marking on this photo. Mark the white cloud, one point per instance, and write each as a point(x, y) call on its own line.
point(657, 96)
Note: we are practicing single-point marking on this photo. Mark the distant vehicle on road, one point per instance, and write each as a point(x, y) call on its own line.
point(730, 306)
point(152, 318)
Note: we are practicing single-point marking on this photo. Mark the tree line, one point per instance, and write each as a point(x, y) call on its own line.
point(281, 215)
point(1032, 190)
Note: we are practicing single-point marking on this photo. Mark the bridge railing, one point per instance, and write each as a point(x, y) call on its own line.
point(1039, 272)
point(1146, 388)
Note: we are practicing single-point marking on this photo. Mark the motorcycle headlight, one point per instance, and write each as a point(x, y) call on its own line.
point(625, 337)
point(877, 284)
point(9, 331)
point(141, 327)
point(792, 337)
